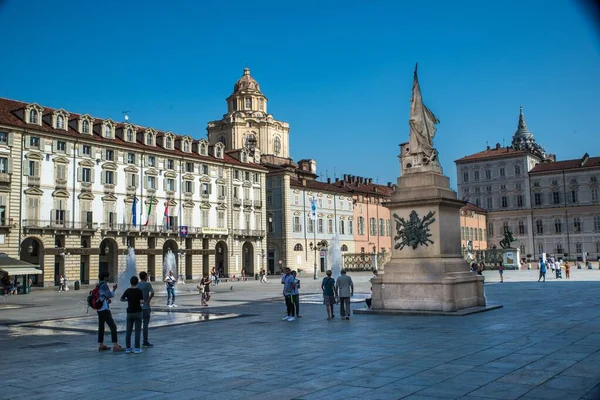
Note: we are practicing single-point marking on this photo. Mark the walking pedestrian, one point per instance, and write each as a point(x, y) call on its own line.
point(288, 288)
point(104, 315)
point(542, 267)
point(328, 288)
point(205, 290)
point(134, 298)
point(148, 293)
point(296, 294)
point(501, 271)
point(345, 290)
point(170, 282)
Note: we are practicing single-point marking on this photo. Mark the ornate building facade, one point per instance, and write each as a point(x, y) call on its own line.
point(76, 191)
point(550, 206)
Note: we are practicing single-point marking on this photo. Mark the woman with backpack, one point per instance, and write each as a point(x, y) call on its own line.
point(100, 300)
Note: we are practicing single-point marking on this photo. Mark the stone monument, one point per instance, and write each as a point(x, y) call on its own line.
point(426, 273)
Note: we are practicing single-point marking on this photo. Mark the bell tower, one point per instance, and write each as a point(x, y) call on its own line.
point(247, 124)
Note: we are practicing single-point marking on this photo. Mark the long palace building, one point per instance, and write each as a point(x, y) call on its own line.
point(70, 185)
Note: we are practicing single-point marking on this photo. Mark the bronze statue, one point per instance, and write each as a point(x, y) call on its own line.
point(508, 239)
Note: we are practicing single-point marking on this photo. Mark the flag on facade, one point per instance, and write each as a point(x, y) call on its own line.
point(149, 211)
point(134, 211)
point(166, 214)
point(313, 209)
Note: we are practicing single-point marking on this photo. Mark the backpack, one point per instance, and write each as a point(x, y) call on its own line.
point(93, 299)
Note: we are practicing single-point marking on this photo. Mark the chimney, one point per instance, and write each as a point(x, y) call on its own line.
point(345, 176)
point(337, 180)
point(584, 159)
point(328, 180)
point(389, 184)
point(370, 180)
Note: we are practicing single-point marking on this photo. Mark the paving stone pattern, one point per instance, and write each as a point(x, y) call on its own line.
point(544, 344)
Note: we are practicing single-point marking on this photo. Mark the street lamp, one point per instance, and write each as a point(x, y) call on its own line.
point(313, 247)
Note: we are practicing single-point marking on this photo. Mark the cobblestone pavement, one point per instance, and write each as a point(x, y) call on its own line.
point(544, 344)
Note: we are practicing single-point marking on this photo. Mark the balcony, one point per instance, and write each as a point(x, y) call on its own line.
point(237, 202)
point(205, 196)
point(59, 225)
point(257, 204)
point(247, 203)
point(151, 228)
point(5, 178)
point(61, 183)
point(5, 225)
point(33, 181)
point(249, 232)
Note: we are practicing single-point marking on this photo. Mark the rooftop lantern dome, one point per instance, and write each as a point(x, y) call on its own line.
point(246, 83)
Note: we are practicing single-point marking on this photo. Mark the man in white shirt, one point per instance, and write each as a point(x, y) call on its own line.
point(170, 282)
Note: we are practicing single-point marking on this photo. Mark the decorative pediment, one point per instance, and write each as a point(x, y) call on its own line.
point(319, 194)
point(350, 218)
point(330, 216)
point(152, 200)
point(86, 196)
point(110, 166)
point(170, 174)
point(86, 163)
point(60, 160)
point(297, 213)
point(131, 169)
point(221, 207)
point(320, 215)
point(188, 177)
point(296, 191)
point(329, 196)
point(61, 112)
point(33, 191)
point(247, 184)
point(205, 179)
point(151, 171)
point(203, 147)
point(109, 197)
point(221, 181)
point(34, 156)
point(171, 203)
point(189, 204)
point(205, 205)
point(342, 217)
point(61, 194)
point(109, 122)
point(129, 199)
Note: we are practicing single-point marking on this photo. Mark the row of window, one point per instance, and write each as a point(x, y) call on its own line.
point(540, 227)
point(299, 247)
point(559, 249)
point(345, 227)
point(472, 233)
point(553, 198)
point(488, 174)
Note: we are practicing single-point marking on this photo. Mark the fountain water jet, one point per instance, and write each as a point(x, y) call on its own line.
point(169, 264)
point(127, 269)
point(335, 257)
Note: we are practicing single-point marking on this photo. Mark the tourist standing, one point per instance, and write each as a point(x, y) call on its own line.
point(288, 288)
point(61, 283)
point(501, 271)
point(328, 288)
point(345, 290)
point(370, 299)
point(134, 298)
point(148, 293)
point(296, 294)
point(104, 315)
point(170, 282)
point(567, 270)
point(542, 267)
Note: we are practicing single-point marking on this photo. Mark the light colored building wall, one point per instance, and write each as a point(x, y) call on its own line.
point(473, 229)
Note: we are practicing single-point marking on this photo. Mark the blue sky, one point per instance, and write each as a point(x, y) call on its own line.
point(340, 72)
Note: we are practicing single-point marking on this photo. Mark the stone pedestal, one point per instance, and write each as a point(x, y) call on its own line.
point(431, 277)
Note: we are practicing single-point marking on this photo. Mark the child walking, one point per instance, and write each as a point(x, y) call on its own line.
point(134, 298)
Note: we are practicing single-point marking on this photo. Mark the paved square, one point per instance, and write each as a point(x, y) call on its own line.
point(543, 344)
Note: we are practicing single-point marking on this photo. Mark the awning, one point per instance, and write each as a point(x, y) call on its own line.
point(21, 270)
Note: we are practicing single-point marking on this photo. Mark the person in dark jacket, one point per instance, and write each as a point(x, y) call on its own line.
point(104, 315)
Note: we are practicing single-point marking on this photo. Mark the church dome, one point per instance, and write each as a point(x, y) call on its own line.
point(246, 83)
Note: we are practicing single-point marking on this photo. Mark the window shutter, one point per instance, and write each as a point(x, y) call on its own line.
point(54, 145)
point(137, 180)
point(10, 140)
point(103, 154)
point(193, 186)
point(92, 152)
point(103, 177)
point(165, 184)
point(145, 182)
point(209, 188)
point(115, 176)
point(80, 150)
point(25, 168)
point(27, 142)
point(79, 174)
point(42, 144)
point(9, 162)
point(92, 174)
point(52, 215)
point(68, 148)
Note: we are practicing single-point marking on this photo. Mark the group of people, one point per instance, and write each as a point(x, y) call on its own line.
point(9, 285)
point(291, 287)
point(555, 266)
point(335, 291)
point(138, 297)
point(63, 284)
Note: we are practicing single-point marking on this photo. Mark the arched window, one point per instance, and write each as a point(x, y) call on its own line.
point(298, 247)
point(107, 131)
point(168, 143)
point(85, 126)
point(186, 146)
point(203, 149)
point(60, 122)
point(344, 248)
point(129, 135)
point(277, 145)
point(149, 139)
point(219, 153)
point(244, 157)
point(33, 116)
point(521, 227)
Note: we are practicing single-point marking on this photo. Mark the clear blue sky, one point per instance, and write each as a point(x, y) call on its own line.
point(340, 72)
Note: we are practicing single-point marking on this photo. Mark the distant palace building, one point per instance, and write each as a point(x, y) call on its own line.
point(550, 206)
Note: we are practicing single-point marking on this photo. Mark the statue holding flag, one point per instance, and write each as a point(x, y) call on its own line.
point(422, 129)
